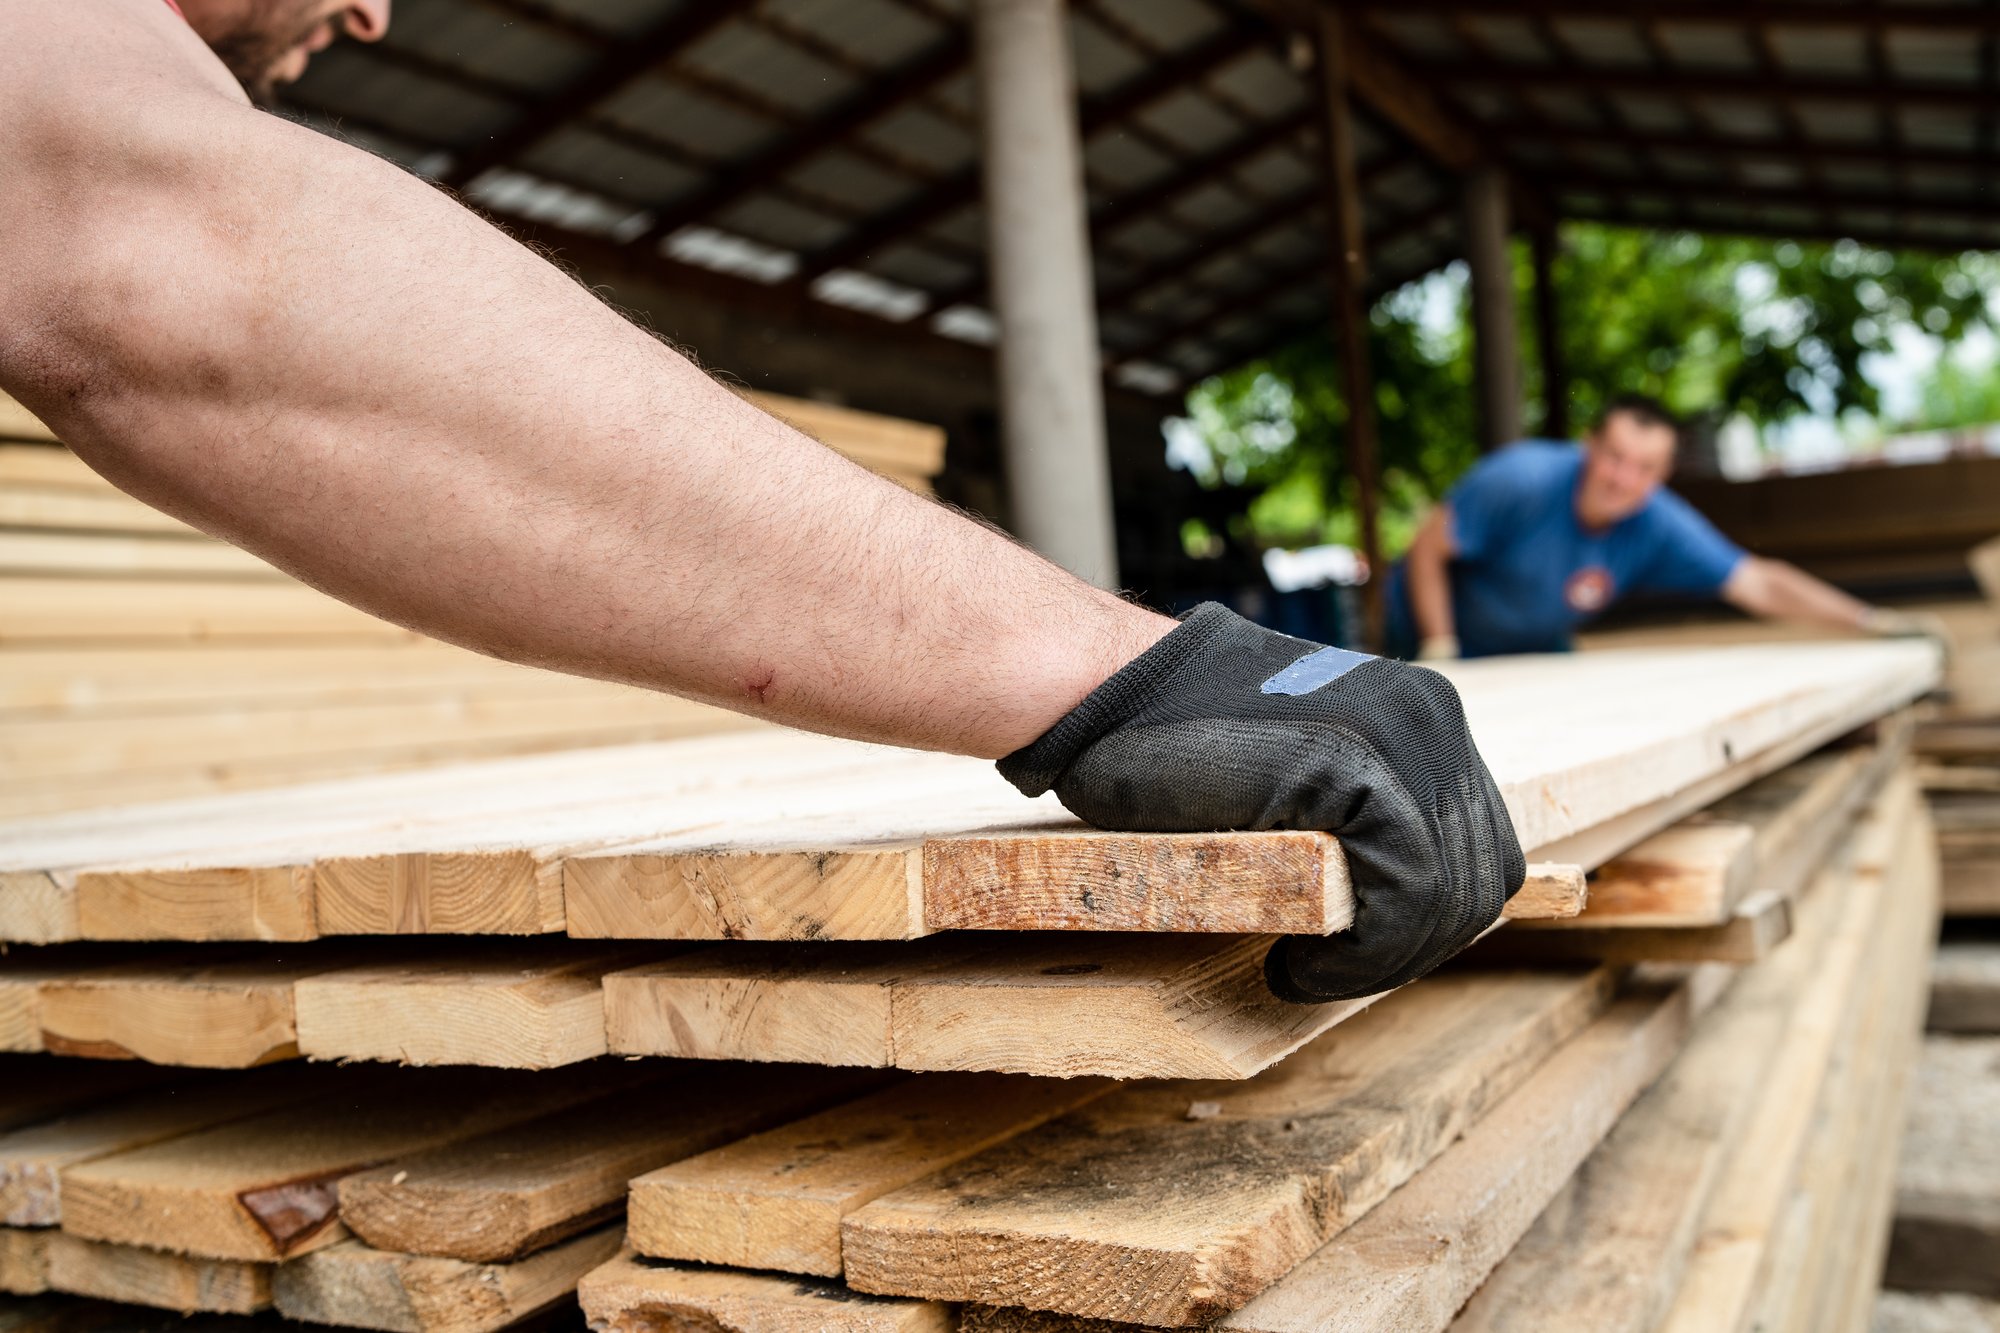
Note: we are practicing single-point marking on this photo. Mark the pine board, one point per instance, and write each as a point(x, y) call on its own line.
point(265, 1188)
point(631, 1294)
point(227, 1010)
point(1767, 838)
point(1129, 1209)
point(500, 1195)
point(356, 1287)
point(775, 1200)
point(22, 972)
point(1756, 926)
point(1413, 1260)
point(823, 860)
point(153, 1277)
point(510, 1006)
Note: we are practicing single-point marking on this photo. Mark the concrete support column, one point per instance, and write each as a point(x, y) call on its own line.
point(1038, 243)
point(1495, 345)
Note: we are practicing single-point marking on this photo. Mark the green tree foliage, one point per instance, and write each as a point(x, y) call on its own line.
point(1713, 326)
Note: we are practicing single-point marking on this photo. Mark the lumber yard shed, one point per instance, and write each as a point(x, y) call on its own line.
point(352, 979)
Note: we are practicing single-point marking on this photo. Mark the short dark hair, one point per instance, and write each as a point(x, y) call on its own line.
point(1642, 408)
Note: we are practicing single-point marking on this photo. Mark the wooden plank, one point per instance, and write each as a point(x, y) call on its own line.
point(869, 438)
point(242, 902)
point(1965, 987)
point(1770, 836)
point(1947, 1229)
point(1758, 924)
point(775, 1200)
point(503, 1194)
point(1609, 1250)
point(231, 1010)
point(635, 1295)
point(1414, 1260)
point(1721, 716)
point(153, 1277)
point(1741, 1217)
point(33, 1157)
point(354, 1286)
point(1108, 1005)
point(22, 972)
point(510, 1006)
point(24, 1260)
point(1130, 1209)
point(264, 1188)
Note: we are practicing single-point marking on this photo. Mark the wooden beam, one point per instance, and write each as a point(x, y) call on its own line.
point(24, 1264)
point(352, 1285)
point(1259, 1178)
point(634, 1295)
point(1402, 95)
point(776, 1200)
point(627, 60)
point(1648, 142)
point(502, 1195)
point(1679, 217)
point(1348, 273)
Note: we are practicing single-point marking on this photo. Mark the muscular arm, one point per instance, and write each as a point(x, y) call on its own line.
point(306, 351)
point(1427, 568)
point(1778, 591)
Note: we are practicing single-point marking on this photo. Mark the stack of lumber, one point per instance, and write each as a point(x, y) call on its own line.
point(842, 977)
point(1874, 524)
point(141, 660)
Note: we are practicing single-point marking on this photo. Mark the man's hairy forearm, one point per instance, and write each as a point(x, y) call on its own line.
point(304, 350)
point(1779, 591)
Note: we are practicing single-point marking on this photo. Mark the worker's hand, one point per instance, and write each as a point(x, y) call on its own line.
point(1224, 725)
point(1885, 623)
point(1438, 648)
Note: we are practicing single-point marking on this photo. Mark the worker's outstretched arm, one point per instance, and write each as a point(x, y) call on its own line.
point(1779, 591)
point(1427, 568)
point(300, 348)
point(311, 353)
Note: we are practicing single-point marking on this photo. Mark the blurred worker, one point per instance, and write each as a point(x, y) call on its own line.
point(1540, 537)
point(310, 352)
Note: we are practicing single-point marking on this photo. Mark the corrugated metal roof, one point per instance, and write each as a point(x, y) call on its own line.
point(835, 141)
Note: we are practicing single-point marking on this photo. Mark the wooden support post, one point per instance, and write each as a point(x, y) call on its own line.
point(1349, 271)
point(1543, 242)
point(1495, 346)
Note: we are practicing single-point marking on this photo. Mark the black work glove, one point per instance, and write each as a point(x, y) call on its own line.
point(1226, 725)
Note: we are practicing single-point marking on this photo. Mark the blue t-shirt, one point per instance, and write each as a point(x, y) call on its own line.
point(1527, 573)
